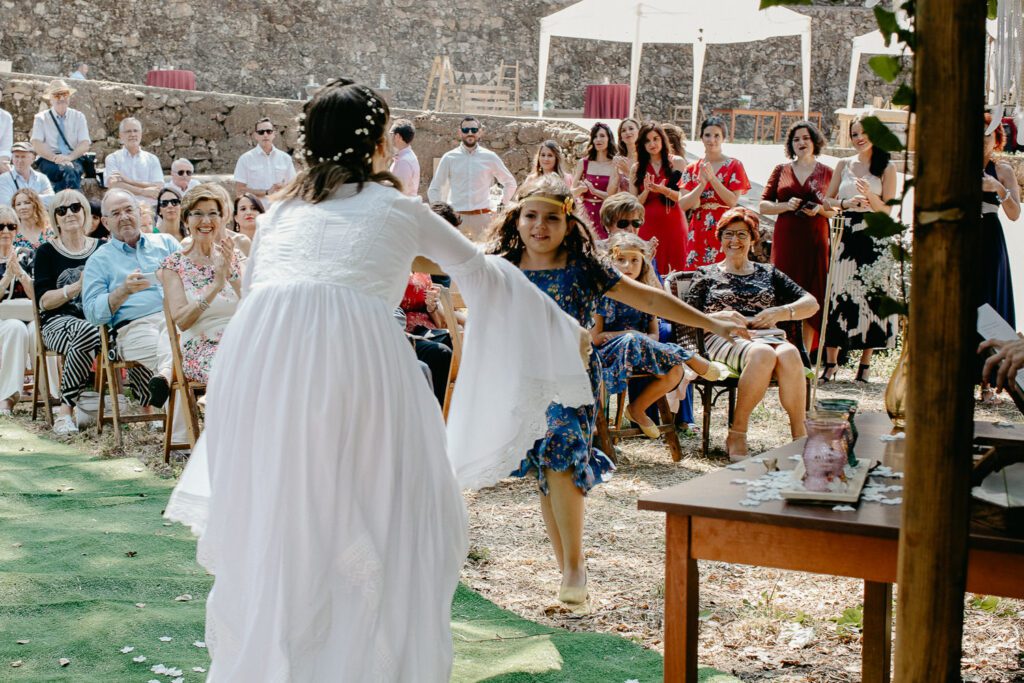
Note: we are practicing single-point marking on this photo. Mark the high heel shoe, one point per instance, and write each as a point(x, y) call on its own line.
point(862, 373)
point(737, 455)
point(825, 375)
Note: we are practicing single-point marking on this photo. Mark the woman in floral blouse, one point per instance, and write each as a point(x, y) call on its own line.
point(33, 226)
point(202, 282)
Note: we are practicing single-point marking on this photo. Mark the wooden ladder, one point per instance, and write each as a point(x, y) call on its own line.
point(441, 74)
point(508, 75)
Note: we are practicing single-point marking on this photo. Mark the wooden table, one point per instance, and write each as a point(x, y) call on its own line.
point(766, 121)
point(706, 522)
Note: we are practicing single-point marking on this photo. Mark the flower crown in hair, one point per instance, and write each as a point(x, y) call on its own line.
point(377, 116)
point(618, 252)
point(566, 204)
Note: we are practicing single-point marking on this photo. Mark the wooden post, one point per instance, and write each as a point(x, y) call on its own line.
point(948, 79)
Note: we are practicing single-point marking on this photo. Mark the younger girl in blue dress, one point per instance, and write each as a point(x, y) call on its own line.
point(628, 340)
point(553, 247)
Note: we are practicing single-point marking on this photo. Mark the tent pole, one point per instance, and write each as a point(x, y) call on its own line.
point(949, 75)
point(542, 69)
point(634, 62)
point(854, 69)
point(699, 50)
point(805, 59)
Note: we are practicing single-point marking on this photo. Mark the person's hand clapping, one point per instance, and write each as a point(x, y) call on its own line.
point(1006, 362)
point(223, 256)
point(621, 164)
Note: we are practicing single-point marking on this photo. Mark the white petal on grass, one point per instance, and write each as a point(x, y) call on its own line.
point(158, 669)
point(179, 679)
point(126, 649)
point(140, 659)
point(199, 669)
point(165, 639)
point(140, 605)
point(63, 661)
point(172, 672)
point(183, 598)
point(26, 641)
point(199, 643)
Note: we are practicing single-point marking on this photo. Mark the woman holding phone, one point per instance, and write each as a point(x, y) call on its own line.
point(795, 192)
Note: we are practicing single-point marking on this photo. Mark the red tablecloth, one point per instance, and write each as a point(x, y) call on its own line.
point(167, 78)
point(606, 101)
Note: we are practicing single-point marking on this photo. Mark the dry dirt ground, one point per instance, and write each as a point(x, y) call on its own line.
point(759, 624)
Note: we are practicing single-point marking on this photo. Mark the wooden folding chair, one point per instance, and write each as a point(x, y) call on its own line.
point(609, 433)
point(448, 301)
point(678, 284)
point(110, 381)
point(41, 374)
point(189, 389)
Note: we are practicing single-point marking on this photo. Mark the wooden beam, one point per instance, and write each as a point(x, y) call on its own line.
point(932, 564)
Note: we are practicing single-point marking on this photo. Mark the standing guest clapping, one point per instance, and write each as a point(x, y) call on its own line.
point(60, 264)
point(625, 155)
point(264, 169)
point(795, 192)
point(653, 183)
point(464, 178)
point(713, 185)
point(595, 177)
point(859, 185)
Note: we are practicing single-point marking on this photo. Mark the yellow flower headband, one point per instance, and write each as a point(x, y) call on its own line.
point(617, 253)
point(565, 204)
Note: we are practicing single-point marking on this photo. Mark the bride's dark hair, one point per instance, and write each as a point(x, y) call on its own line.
point(340, 129)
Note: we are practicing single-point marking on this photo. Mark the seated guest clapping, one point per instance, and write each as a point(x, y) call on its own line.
point(15, 289)
point(202, 282)
point(58, 288)
point(739, 288)
point(120, 289)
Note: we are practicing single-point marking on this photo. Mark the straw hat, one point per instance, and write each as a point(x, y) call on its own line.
point(57, 85)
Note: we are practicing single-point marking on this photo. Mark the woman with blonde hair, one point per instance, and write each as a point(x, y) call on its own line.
point(549, 161)
point(33, 226)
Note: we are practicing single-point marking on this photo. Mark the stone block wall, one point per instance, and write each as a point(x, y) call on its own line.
point(269, 49)
point(212, 130)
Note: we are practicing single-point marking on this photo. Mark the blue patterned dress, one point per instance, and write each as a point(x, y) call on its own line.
point(630, 354)
point(569, 442)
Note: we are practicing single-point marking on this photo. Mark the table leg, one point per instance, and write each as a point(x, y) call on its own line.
point(877, 649)
point(682, 597)
point(732, 126)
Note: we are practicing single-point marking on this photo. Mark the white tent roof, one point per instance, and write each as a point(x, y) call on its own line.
point(672, 21)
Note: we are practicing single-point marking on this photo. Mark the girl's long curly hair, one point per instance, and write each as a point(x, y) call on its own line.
point(579, 244)
point(627, 241)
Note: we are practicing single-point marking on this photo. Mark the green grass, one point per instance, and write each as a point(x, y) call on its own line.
point(82, 542)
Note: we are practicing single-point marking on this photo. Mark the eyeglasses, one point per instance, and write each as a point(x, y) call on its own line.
point(73, 208)
point(264, 131)
point(13, 227)
point(174, 201)
point(60, 96)
point(623, 224)
point(199, 215)
point(742, 235)
point(183, 171)
point(469, 131)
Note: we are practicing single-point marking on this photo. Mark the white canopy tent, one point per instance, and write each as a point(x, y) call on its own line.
point(673, 22)
point(868, 44)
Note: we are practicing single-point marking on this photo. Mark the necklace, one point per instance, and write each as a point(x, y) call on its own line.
point(86, 248)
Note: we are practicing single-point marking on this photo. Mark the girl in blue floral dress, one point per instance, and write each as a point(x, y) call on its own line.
point(554, 248)
point(628, 340)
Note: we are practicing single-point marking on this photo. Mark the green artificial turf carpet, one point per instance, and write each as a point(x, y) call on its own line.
point(88, 566)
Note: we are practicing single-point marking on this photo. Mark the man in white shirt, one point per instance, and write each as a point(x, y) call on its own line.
point(464, 177)
point(23, 175)
point(60, 136)
point(6, 135)
point(264, 169)
point(131, 168)
point(405, 166)
point(182, 172)
point(81, 72)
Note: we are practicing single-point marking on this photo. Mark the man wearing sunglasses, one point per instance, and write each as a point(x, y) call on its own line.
point(23, 175)
point(464, 178)
point(60, 136)
point(264, 169)
point(183, 176)
point(131, 168)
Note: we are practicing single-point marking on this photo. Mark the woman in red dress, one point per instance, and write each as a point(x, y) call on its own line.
point(656, 185)
point(712, 186)
point(595, 178)
point(795, 192)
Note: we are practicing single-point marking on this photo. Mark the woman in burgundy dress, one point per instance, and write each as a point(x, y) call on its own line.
point(795, 192)
point(595, 177)
point(656, 185)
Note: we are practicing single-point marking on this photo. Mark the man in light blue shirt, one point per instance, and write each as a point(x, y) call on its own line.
point(120, 290)
point(23, 175)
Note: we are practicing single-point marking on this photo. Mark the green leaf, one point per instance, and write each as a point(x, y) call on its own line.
point(887, 23)
point(899, 252)
point(880, 135)
point(886, 66)
point(908, 37)
point(993, 9)
point(765, 4)
point(882, 225)
point(989, 603)
point(886, 306)
point(904, 96)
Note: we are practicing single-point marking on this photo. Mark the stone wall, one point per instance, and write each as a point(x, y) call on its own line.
point(269, 49)
point(212, 130)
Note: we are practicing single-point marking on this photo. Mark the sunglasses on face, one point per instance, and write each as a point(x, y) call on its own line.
point(170, 202)
point(183, 172)
point(470, 131)
point(13, 227)
point(63, 210)
point(264, 131)
point(623, 224)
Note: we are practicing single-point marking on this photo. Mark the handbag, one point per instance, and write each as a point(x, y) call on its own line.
point(87, 160)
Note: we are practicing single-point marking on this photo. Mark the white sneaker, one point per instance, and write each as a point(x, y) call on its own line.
point(64, 425)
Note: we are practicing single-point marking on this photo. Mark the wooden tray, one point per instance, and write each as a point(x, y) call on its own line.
point(853, 486)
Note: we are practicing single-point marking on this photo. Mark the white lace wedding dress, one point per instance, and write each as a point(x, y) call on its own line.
point(326, 498)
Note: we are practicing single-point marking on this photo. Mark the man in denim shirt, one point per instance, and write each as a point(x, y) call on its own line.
point(119, 289)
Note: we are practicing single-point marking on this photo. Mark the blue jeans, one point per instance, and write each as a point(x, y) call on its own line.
point(62, 177)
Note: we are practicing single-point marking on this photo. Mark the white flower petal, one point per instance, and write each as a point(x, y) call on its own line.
point(158, 669)
point(126, 649)
point(139, 660)
point(166, 639)
point(199, 669)
point(199, 643)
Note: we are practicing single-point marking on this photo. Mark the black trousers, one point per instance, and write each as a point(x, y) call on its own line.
point(438, 358)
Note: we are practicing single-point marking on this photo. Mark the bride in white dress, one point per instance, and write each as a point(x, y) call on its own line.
point(323, 489)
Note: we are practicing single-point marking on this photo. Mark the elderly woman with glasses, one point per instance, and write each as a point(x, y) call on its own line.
point(15, 290)
point(58, 288)
point(202, 282)
point(761, 295)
